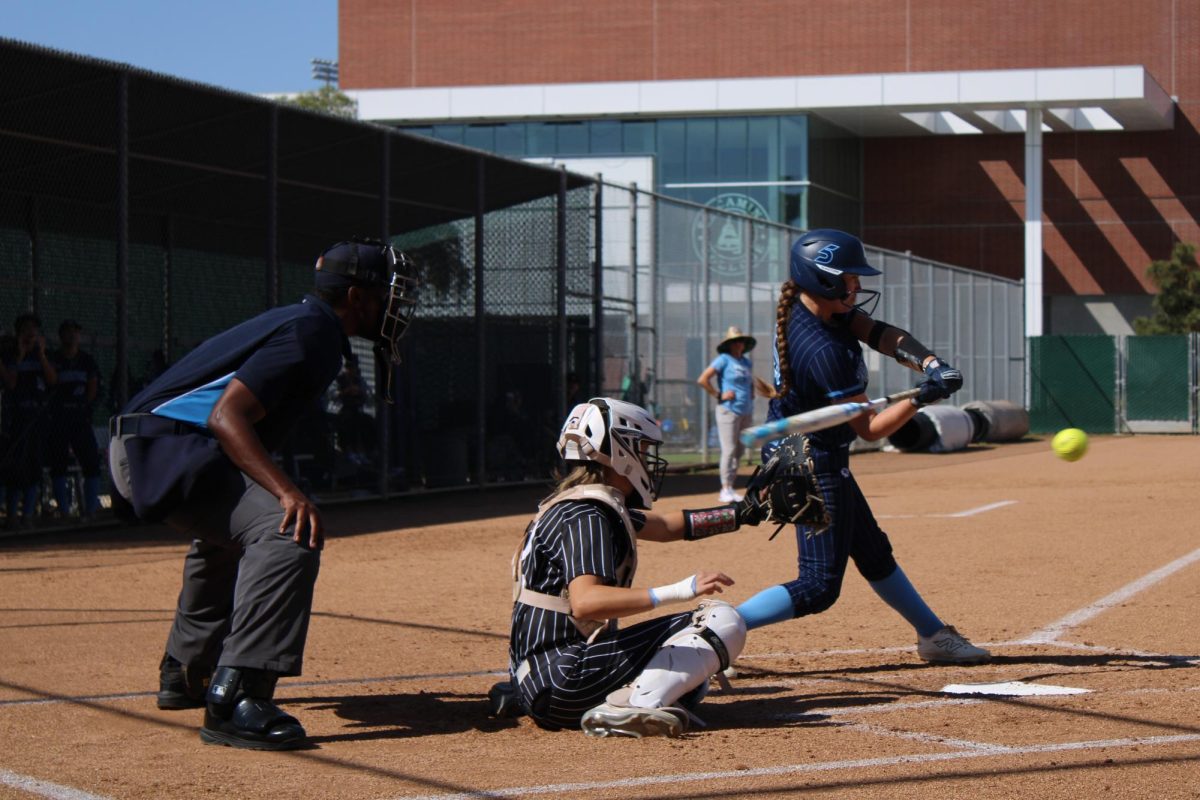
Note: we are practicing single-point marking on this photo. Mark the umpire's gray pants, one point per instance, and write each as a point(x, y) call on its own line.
point(729, 426)
point(247, 589)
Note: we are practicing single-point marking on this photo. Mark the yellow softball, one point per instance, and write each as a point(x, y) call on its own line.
point(1070, 444)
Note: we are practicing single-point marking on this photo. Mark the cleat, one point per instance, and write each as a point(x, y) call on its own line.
point(948, 646)
point(175, 690)
point(608, 719)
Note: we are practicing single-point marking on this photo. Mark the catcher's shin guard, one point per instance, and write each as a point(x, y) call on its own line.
point(689, 658)
point(240, 712)
point(181, 686)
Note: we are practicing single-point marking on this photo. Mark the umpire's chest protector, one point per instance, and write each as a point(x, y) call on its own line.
point(605, 495)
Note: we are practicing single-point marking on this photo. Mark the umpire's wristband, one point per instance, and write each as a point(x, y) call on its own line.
point(705, 522)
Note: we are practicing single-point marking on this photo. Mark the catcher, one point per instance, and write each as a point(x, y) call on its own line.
point(569, 665)
point(819, 361)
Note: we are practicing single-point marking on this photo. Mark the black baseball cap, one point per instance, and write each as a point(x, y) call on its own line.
point(355, 263)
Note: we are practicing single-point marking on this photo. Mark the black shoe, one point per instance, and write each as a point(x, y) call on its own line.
point(180, 688)
point(503, 702)
point(240, 713)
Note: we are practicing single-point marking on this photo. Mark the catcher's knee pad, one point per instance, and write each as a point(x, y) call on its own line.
point(689, 658)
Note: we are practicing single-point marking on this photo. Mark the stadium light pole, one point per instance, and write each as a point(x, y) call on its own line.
point(325, 70)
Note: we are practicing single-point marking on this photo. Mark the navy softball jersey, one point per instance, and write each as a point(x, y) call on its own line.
point(567, 676)
point(827, 366)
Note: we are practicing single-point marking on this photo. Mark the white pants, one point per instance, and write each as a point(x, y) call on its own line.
point(729, 426)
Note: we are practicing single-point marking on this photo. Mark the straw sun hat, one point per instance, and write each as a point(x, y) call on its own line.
point(734, 334)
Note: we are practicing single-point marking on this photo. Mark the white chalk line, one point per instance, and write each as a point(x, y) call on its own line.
point(826, 766)
point(930, 738)
point(947, 702)
point(970, 512)
point(45, 788)
point(1055, 629)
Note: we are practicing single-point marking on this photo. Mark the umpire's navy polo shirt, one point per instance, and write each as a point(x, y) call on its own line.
point(827, 367)
point(287, 357)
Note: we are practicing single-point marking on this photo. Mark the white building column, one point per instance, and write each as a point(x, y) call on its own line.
point(1033, 222)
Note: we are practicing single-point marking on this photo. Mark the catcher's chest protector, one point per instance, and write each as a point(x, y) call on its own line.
point(562, 603)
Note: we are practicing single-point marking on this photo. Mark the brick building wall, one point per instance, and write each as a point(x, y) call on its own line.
point(1113, 201)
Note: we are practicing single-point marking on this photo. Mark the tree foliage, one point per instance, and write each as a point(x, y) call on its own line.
point(1177, 304)
point(326, 100)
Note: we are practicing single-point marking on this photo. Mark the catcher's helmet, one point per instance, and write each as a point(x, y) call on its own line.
point(368, 262)
point(619, 435)
point(820, 258)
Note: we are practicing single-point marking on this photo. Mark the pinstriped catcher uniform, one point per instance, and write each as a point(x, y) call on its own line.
point(562, 670)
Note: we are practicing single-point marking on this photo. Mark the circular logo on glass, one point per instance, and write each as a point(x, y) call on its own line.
point(728, 237)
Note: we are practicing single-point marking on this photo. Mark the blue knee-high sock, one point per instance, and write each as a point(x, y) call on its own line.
point(62, 494)
point(900, 594)
point(769, 605)
point(91, 495)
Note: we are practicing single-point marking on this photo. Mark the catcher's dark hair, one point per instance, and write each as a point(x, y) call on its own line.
point(788, 294)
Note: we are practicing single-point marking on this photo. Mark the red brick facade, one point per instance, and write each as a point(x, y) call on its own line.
point(1113, 201)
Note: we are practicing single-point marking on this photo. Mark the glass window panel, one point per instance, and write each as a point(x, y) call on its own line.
point(449, 133)
point(510, 139)
point(731, 149)
point(762, 149)
point(637, 136)
point(605, 137)
point(701, 150)
point(572, 138)
point(423, 130)
point(793, 207)
point(793, 134)
point(540, 139)
point(672, 162)
point(480, 136)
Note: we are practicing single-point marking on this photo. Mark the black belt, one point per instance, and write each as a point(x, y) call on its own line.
point(148, 425)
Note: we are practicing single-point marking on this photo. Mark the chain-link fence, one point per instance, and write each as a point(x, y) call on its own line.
point(155, 213)
point(700, 270)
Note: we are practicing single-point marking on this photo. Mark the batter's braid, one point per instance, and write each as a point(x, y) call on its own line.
point(788, 294)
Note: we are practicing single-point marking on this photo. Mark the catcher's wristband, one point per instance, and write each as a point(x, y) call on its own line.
point(705, 522)
point(679, 592)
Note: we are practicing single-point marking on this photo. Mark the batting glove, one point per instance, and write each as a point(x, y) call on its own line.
point(945, 376)
point(930, 393)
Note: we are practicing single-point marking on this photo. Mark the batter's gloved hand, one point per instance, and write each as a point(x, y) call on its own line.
point(944, 375)
point(930, 393)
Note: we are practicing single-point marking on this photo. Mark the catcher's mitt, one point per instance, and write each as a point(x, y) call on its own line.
point(785, 490)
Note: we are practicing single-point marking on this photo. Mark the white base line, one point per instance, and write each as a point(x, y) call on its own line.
point(1055, 629)
point(826, 766)
point(45, 788)
point(970, 512)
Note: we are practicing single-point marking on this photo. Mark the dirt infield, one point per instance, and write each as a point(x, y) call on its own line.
point(1083, 575)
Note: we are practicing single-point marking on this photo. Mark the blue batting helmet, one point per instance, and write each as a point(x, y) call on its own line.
point(820, 258)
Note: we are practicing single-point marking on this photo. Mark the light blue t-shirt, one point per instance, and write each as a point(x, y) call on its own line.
point(735, 374)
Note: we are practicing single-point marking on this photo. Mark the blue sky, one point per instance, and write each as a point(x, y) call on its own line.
point(254, 46)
